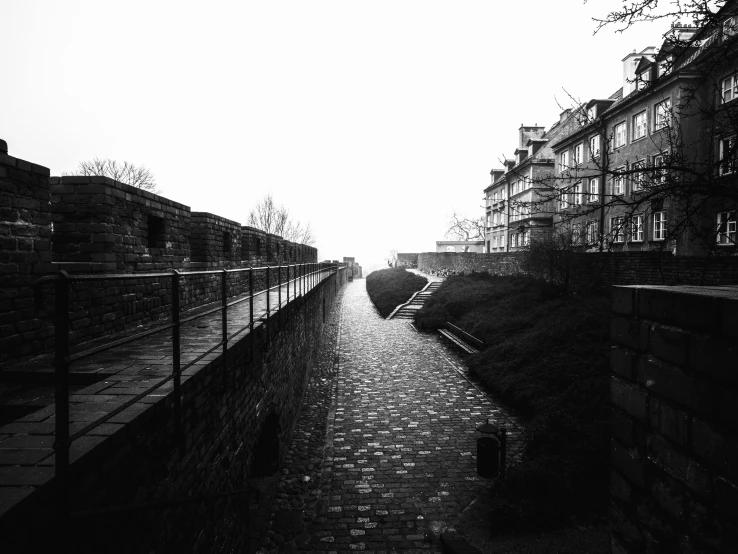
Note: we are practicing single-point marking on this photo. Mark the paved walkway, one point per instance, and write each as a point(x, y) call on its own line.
point(399, 456)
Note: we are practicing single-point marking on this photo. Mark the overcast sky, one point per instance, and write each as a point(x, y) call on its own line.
point(373, 121)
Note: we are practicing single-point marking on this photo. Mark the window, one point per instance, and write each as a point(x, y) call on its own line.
point(638, 176)
point(619, 134)
point(662, 114)
point(592, 113)
point(594, 185)
point(563, 161)
point(730, 88)
point(155, 232)
point(578, 194)
point(726, 228)
point(513, 240)
point(639, 125)
point(562, 201)
point(494, 241)
point(591, 232)
point(730, 26)
point(727, 155)
point(576, 233)
point(578, 149)
point(594, 146)
point(525, 236)
point(636, 228)
point(226, 242)
point(659, 226)
point(617, 231)
point(618, 182)
point(659, 171)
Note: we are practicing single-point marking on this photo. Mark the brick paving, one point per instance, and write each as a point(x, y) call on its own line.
point(399, 455)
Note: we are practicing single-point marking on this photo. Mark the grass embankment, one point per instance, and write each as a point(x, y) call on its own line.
point(388, 288)
point(547, 356)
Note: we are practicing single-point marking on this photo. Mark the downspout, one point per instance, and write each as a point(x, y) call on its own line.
point(604, 157)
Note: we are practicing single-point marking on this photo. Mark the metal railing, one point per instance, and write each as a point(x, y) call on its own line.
point(303, 277)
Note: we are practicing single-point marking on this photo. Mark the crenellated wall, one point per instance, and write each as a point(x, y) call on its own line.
point(674, 426)
point(97, 225)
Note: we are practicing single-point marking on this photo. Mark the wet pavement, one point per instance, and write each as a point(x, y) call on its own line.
point(384, 454)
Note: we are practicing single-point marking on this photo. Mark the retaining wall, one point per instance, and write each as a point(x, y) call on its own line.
point(674, 446)
point(136, 458)
point(598, 270)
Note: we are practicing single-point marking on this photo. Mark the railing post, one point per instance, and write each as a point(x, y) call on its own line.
point(288, 284)
point(224, 319)
point(61, 381)
point(267, 295)
point(176, 355)
point(279, 294)
point(251, 309)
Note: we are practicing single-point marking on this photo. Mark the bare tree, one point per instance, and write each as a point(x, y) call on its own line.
point(274, 219)
point(465, 228)
point(127, 173)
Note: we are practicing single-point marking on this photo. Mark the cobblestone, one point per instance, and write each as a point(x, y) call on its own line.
point(384, 454)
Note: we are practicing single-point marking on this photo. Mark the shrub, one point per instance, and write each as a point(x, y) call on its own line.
point(547, 355)
point(388, 288)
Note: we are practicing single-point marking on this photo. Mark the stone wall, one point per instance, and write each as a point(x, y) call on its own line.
point(25, 250)
point(598, 270)
point(674, 445)
point(97, 225)
point(215, 241)
point(136, 461)
point(407, 260)
point(103, 225)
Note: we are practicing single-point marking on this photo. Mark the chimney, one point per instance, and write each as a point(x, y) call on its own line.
point(563, 115)
point(527, 133)
point(630, 62)
point(496, 174)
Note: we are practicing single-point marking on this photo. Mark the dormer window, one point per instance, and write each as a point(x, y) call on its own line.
point(592, 113)
point(643, 79)
point(730, 26)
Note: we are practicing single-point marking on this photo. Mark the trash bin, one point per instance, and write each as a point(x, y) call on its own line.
point(488, 451)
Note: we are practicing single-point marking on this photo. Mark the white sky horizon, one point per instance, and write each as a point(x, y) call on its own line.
point(372, 121)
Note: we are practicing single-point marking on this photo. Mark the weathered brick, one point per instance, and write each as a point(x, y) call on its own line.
point(679, 464)
point(623, 362)
point(670, 421)
point(721, 451)
point(628, 397)
point(670, 344)
point(630, 333)
point(673, 384)
point(716, 358)
point(622, 428)
point(628, 462)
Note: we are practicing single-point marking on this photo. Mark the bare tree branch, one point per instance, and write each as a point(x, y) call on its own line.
point(270, 218)
point(126, 173)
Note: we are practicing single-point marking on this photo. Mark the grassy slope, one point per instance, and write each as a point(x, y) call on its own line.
point(548, 357)
point(388, 288)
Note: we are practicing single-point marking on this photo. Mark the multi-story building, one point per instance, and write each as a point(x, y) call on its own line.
point(518, 203)
point(652, 166)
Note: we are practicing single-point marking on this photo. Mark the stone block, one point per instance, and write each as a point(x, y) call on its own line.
point(720, 450)
point(623, 362)
point(716, 358)
point(679, 464)
point(669, 421)
point(670, 344)
point(629, 332)
point(673, 384)
point(628, 462)
point(629, 398)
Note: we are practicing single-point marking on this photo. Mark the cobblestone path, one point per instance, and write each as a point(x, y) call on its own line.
point(399, 456)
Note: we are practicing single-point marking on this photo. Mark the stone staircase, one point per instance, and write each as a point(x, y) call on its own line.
point(417, 300)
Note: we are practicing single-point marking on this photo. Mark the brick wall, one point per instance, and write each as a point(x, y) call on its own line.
point(98, 225)
point(137, 458)
point(215, 241)
point(674, 445)
point(103, 225)
point(598, 270)
point(25, 250)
